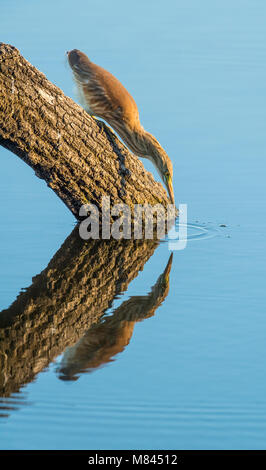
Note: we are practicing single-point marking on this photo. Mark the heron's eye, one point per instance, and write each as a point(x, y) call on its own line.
point(167, 176)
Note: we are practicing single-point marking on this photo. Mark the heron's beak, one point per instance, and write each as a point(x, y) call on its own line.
point(170, 190)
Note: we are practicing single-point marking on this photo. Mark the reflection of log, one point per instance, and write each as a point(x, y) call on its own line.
point(110, 336)
point(71, 294)
point(79, 157)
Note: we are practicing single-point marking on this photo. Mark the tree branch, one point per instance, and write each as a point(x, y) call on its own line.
point(79, 157)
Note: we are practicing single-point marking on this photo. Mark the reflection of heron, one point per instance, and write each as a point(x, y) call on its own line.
point(65, 299)
point(104, 96)
point(104, 340)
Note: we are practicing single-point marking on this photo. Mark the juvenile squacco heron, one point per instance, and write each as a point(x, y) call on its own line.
point(102, 95)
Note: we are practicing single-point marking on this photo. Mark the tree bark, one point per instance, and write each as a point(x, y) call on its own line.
point(79, 157)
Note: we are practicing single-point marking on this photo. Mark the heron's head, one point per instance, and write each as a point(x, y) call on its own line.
point(162, 162)
point(165, 168)
point(79, 63)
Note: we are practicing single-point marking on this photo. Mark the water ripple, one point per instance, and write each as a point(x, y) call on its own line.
point(190, 232)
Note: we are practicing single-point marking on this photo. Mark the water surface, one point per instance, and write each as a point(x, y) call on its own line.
point(122, 346)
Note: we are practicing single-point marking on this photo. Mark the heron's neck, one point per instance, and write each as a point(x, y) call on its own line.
point(140, 142)
point(152, 147)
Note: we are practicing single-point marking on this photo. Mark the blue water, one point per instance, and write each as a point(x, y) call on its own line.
point(193, 375)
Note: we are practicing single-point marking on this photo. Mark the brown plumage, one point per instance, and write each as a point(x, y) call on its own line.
point(102, 95)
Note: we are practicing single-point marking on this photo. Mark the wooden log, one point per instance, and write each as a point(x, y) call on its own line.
point(79, 157)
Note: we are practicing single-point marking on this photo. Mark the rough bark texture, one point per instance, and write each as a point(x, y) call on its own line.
point(64, 301)
point(79, 157)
